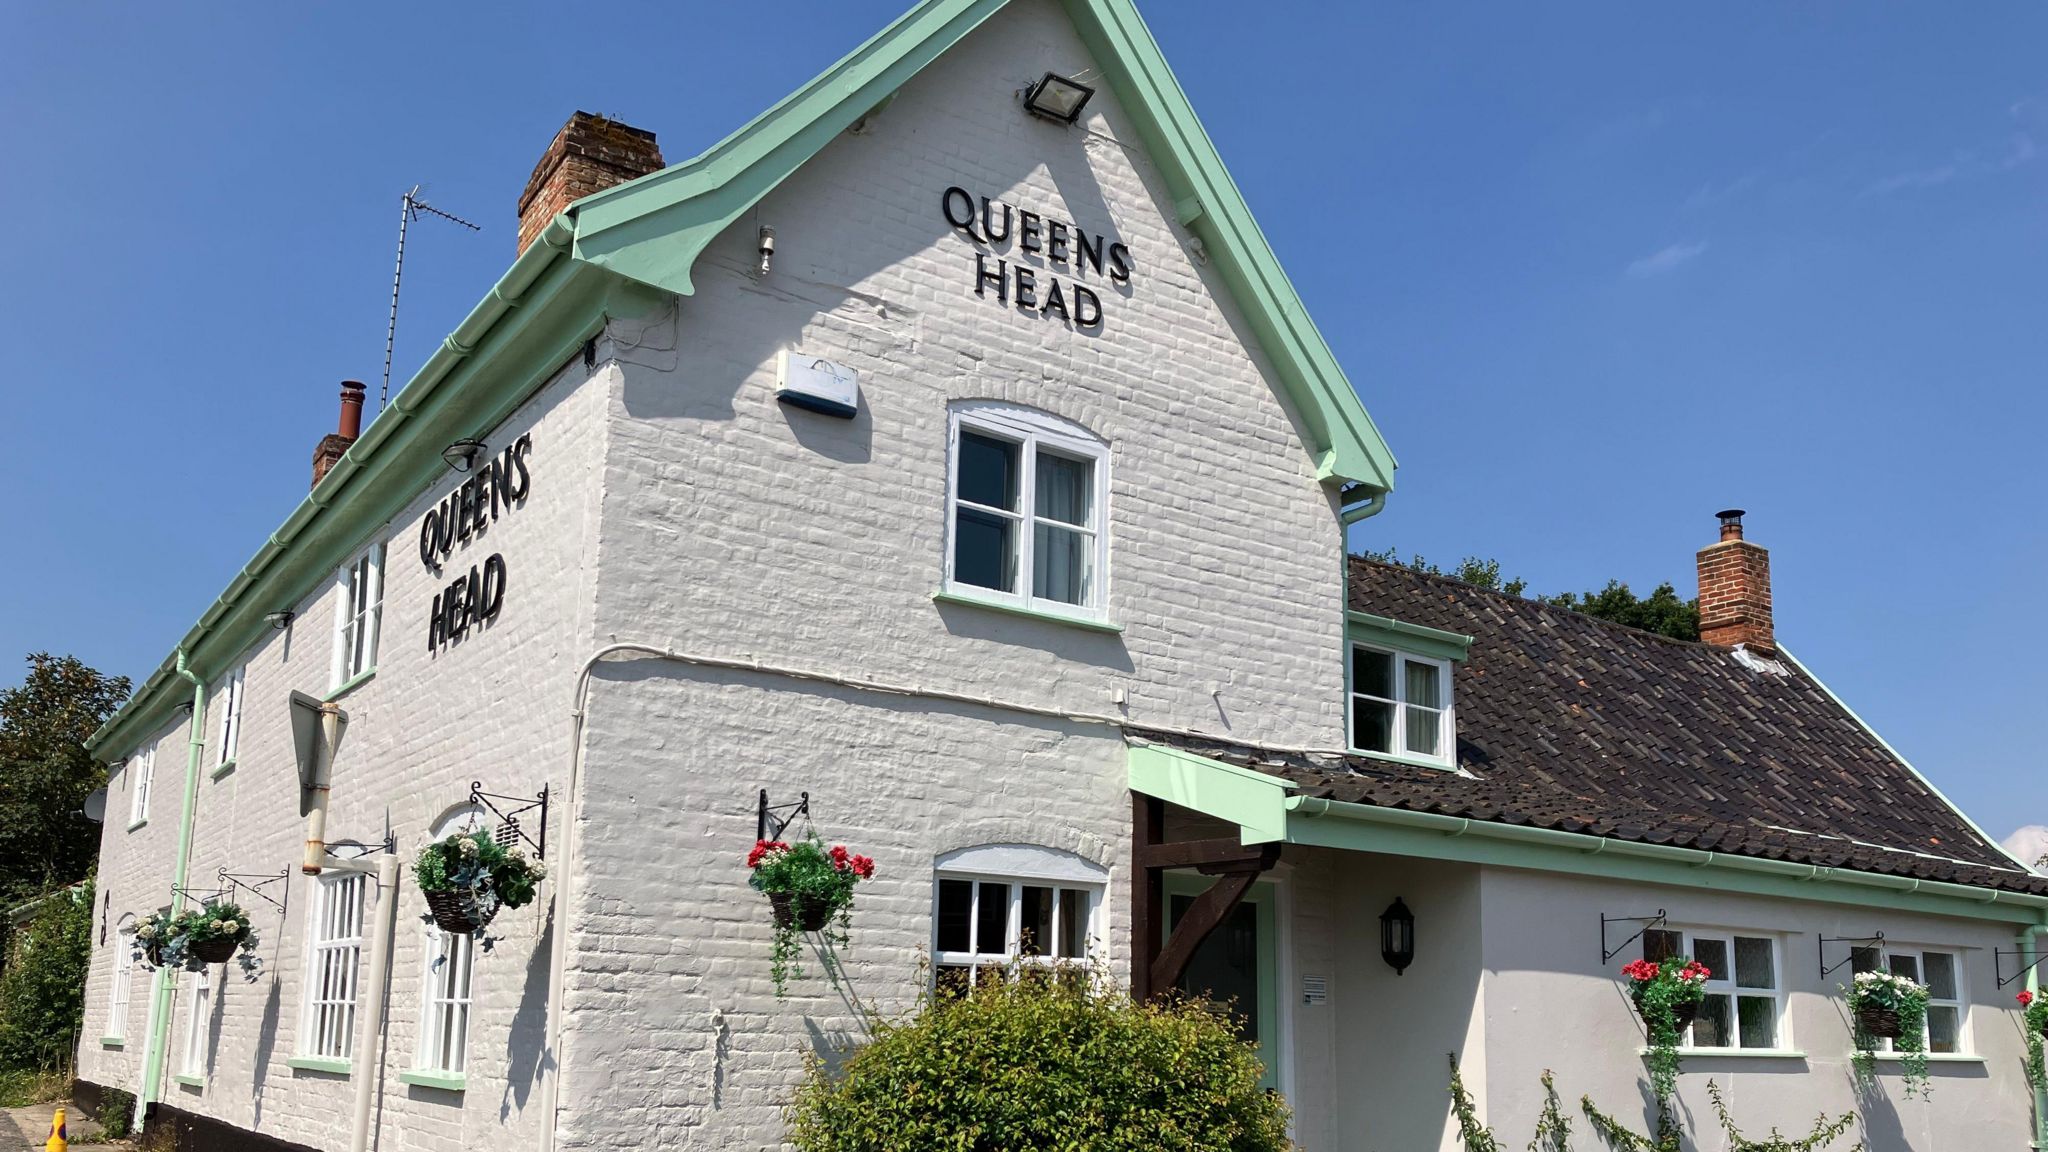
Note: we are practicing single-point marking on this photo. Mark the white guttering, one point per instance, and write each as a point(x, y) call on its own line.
point(370, 1044)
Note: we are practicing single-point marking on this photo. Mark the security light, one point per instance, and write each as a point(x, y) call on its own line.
point(1057, 98)
point(279, 620)
point(462, 454)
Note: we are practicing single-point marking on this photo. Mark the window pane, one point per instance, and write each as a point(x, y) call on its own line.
point(1037, 920)
point(1941, 975)
point(1660, 945)
point(1066, 488)
point(1714, 954)
point(1073, 941)
point(1372, 725)
point(1372, 673)
point(1062, 564)
point(988, 471)
point(956, 901)
point(1907, 966)
point(1753, 965)
point(1863, 959)
point(991, 920)
point(985, 550)
point(1710, 1029)
point(1758, 1016)
point(1944, 1028)
point(1425, 728)
point(1423, 684)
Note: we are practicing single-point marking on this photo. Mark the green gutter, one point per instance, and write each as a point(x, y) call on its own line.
point(160, 1010)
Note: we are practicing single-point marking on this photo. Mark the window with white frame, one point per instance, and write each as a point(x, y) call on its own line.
point(334, 940)
point(199, 1005)
point(1947, 1002)
point(117, 987)
point(141, 770)
point(444, 1027)
point(1745, 994)
point(1401, 704)
point(1025, 510)
point(1001, 906)
point(230, 717)
point(359, 610)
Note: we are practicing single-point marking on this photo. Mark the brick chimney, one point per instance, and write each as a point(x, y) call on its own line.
point(1735, 590)
point(589, 154)
point(345, 431)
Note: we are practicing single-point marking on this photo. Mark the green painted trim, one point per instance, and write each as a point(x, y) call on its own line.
point(1895, 754)
point(349, 685)
point(1254, 801)
point(221, 769)
point(445, 1081)
point(1093, 625)
point(1264, 898)
point(189, 1080)
point(1735, 1053)
point(1934, 1057)
point(134, 824)
point(326, 1064)
point(1435, 643)
point(113, 1041)
point(155, 1047)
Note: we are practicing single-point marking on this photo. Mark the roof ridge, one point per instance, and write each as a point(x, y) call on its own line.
point(1498, 594)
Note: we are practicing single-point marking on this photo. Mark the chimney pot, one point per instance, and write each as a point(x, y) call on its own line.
point(589, 155)
point(347, 428)
point(1735, 590)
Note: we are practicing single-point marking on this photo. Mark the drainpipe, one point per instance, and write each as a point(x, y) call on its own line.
point(160, 998)
point(2027, 942)
point(371, 1043)
point(316, 805)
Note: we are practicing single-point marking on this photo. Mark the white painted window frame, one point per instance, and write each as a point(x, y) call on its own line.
point(358, 615)
point(1447, 723)
point(1092, 886)
point(1031, 431)
point(333, 971)
point(1961, 1003)
point(230, 692)
point(141, 773)
point(119, 984)
point(198, 1005)
point(447, 979)
point(1723, 984)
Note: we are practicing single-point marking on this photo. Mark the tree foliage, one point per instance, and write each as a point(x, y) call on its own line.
point(46, 774)
point(1048, 1061)
point(42, 989)
point(1661, 611)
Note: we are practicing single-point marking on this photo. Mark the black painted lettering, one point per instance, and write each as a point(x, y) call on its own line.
point(1027, 292)
point(427, 524)
point(1028, 230)
point(1087, 309)
point(983, 278)
point(520, 447)
point(988, 225)
point(964, 218)
point(1056, 241)
point(494, 586)
point(1120, 263)
point(437, 627)
point(1090, 253)
point(1054, 301)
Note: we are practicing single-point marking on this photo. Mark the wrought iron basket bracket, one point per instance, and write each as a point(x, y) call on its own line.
point(2018, 954)
point(1821, 945)
point(510, 829)
point(254, 884)
point(1648, 922)
point(772, 820)
point(356, 850)
point(200, 896)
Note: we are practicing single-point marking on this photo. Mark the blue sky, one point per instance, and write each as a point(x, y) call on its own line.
point(1598, 271)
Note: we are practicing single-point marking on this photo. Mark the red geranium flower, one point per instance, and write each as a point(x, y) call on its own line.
point(863, 867)
point(838, 854)
point(1639, 970)
point(761, 849)
point(2025, 998)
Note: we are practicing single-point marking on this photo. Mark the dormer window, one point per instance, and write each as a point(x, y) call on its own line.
point(1400, 690)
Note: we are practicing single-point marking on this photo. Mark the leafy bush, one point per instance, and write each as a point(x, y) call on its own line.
point(117, 1112)
point(42, 991)
point(1045, 1060)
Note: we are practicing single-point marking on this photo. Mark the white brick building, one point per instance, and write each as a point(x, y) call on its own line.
point(703, 592)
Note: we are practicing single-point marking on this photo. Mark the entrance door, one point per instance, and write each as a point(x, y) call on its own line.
point(1237, 965)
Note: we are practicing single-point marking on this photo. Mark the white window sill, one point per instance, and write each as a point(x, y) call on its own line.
point(327, 1064)
point(349, 685)
point(113, 1041)
point(189, 1080)
point(1410, 761)
point(445, 1081)
point(1035, 611)
point(223, 768)
point(1933, 1057)
point(1735, 1053)
point(137, 823)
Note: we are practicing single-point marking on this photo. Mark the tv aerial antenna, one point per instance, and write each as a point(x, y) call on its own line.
point(411, 206)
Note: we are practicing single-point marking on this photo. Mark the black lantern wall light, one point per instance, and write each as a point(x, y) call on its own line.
point(1397, 936)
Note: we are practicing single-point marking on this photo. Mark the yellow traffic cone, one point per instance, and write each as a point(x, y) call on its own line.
point(56, 1142)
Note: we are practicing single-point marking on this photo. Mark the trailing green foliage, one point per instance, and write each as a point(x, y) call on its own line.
point(1475, 1136)
point(807, 878)
point(1045, 1060)
point(117, 1113)
point(45, 773)
point(1908, 997)
point(482, 874)
point(1554, 1130)
point(167, 940)
point(2035, 1014)
point(42, 990)
point(1825, 1131)
point(1661, 611)
point(1660, 991)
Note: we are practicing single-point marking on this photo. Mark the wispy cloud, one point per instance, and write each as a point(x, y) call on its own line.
point(1710, 195)
point(1967, 165)
point(1667, 259)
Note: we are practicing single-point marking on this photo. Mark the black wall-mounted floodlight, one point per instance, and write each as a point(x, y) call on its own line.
point(279, 620)
point(1057, 98)
point(462, 455)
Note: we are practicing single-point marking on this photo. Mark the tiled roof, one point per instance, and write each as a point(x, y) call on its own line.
point(1569, 722)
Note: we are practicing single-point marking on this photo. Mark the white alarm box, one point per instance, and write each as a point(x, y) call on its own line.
point(819, 385)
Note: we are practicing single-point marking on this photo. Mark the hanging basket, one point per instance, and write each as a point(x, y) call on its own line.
point(153, 954)
point(217, 950)
point(452, 913)
point(1878, 1021)
point(807, 913)
point(1682, 1015)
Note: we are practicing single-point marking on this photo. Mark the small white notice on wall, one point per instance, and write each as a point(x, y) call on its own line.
point(817, 384)
point(1314, 989)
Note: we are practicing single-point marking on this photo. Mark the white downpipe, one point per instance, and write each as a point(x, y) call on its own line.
point(370, 1044)
point(323, 773)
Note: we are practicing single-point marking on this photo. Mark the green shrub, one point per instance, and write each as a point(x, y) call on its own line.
point(42, 990)
point(117, 1112)
point(1048, 1062)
